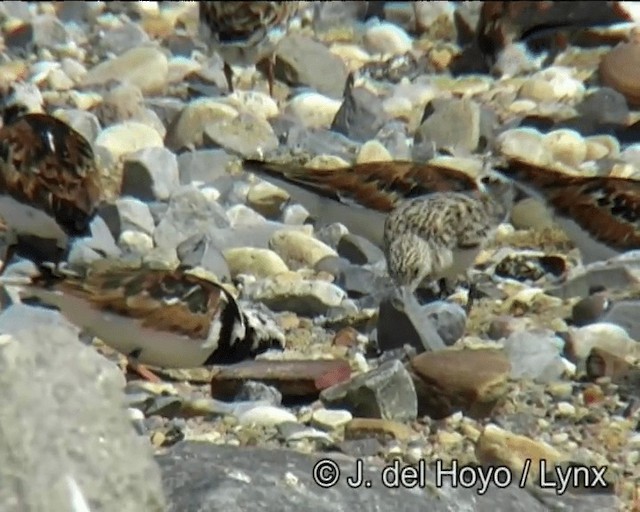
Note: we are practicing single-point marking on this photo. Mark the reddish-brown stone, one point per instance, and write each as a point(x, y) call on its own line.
point(294, 378)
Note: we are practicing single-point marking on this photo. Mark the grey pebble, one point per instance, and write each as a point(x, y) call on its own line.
point(386, 392)
point(150, 174)
point(360, 116)
point(449, 124)
point(204, 165)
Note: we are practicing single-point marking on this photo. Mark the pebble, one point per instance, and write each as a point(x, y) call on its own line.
point(330, 419)
point(618, 70)
point(258, 103)
point(381, 429)
point(199, 251)
point(603, 335)
point(535, 354)
point(188, 129)
point(265, 416)
point(401, 323)
point(301, 378)
point(386, 392)
point(358, 250)
point(246, 134)
point(126, 138)
point(266, 198)
point(150, 174)
point(204, 165)
point(284, 293)
point(255, 261)
point(298, 248)
point(565, 409)
point(189, 213)
point(450, 123)
point(313, 110)
point(310, 63)
point(135, 242)
point(566, 146)
point(471, 381)
point(146, 67)
point(240, 215)
point(373, 151)
point(386, 39)
point(258, 391)
point(361, 114)
point(500, 447)
point(524, 143)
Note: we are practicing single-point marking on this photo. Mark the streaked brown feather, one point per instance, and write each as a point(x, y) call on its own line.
point(607, 208)
point(47, 164)
point(170, 300)
point(375, 185)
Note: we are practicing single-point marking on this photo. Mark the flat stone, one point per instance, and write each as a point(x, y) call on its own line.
point(302, 61)
point(450, 124)
point(196, 477)
point(447, 381)
point(146, 67)
point(328, 419)
point(385, 392)
point(265, 416)
point(245, 134)
point(126, 138)
point(286, 292)
point(292, 378)
point(108, 465)
point(498, 447)
point(383, 430)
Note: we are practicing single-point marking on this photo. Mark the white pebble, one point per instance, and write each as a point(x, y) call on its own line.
point(266, 416)
point(387, 39)
point(313, 110)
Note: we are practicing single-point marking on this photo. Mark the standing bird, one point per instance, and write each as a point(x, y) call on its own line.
point(49, 182)
point(244, 33)
point(600, 214)
point(439, 235)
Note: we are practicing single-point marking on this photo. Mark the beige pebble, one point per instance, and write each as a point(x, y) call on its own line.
point(147, 67)
point(255, 261)
point(191, 122)
point(373, 151)
point(298, 247)
point(128, 137)
point(313, 109)
point(266, 198)
point(566, 146)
